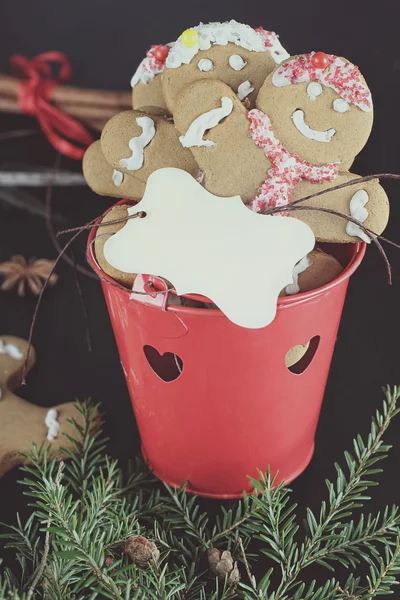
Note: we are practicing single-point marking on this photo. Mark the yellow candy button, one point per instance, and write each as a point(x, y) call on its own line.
point(189, 37)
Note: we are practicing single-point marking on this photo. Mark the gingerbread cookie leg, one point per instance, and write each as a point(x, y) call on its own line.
point(103, 179)
point(366, 202)
point(23, 424)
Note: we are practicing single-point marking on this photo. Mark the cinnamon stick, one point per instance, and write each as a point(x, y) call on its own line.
point(71, 95)
point(79, 111)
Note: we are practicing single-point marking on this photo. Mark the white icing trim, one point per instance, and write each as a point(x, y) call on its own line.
point(311, 134)
point(138, 144)
point(236, 62)
point(208, 120)
point(314, 89)
point(244, 90)
point(340, 105)
point(359, 212)
point(300, 267)
point(52, 424)
point(205, 64)
point(273, 45)
point(117, 177)
point(11, 350)
point(279, 78)
point(148, 69)
point(340, 75)
point(215, 33)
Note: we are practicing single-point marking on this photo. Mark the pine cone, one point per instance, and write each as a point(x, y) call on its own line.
point(108, 561)
point(223, 564)
point(140, 551)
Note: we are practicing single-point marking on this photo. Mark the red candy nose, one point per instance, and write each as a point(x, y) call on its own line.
point(320, 60)
point(160, 52)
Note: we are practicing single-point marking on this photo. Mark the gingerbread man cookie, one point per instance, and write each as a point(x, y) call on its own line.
point(231, 52)
point(22, 423)
point(297, 166)
point(136, 143)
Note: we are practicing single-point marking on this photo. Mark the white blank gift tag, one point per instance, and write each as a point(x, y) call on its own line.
point(212, 246)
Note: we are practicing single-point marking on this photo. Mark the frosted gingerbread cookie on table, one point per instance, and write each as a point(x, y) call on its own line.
point(22, 423)
point(231, 52)
point(313, 113)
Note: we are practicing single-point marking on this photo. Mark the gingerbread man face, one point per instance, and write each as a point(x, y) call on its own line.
point(231, 52)
point(319, 106)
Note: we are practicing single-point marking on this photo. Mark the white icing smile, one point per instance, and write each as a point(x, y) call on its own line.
point(311, 134)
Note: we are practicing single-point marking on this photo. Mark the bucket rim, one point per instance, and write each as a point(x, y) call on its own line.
point(359, 249)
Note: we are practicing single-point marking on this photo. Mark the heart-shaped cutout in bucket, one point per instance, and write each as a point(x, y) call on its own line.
point(167, 366)
point(299, 358)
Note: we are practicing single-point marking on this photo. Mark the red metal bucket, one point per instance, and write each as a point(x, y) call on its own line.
point(223, 403)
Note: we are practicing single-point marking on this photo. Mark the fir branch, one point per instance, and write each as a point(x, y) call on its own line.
point(229, 522)
point(90, 511)
point(184, 514)
point(348, 493)
point(353, 541)
point(274, 522)
point(382, 575)
point(42, 565)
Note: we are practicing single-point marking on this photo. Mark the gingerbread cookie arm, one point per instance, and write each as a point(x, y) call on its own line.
point(366, 202)
point(103, 179)
point(23, 424)
point(231, 161)
point(149, 94)
point(138, 144)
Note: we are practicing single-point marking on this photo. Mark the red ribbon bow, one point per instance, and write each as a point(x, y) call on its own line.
point(34, 95)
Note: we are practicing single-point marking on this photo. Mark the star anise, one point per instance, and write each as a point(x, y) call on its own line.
point(26, 275)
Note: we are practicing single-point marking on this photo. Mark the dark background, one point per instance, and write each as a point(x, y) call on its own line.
point(105, 41)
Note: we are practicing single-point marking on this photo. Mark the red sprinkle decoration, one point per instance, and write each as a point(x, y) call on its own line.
point(160, 53)
point(340, 75)
point(320, 60)
point(269, 37)
point(287, 169)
